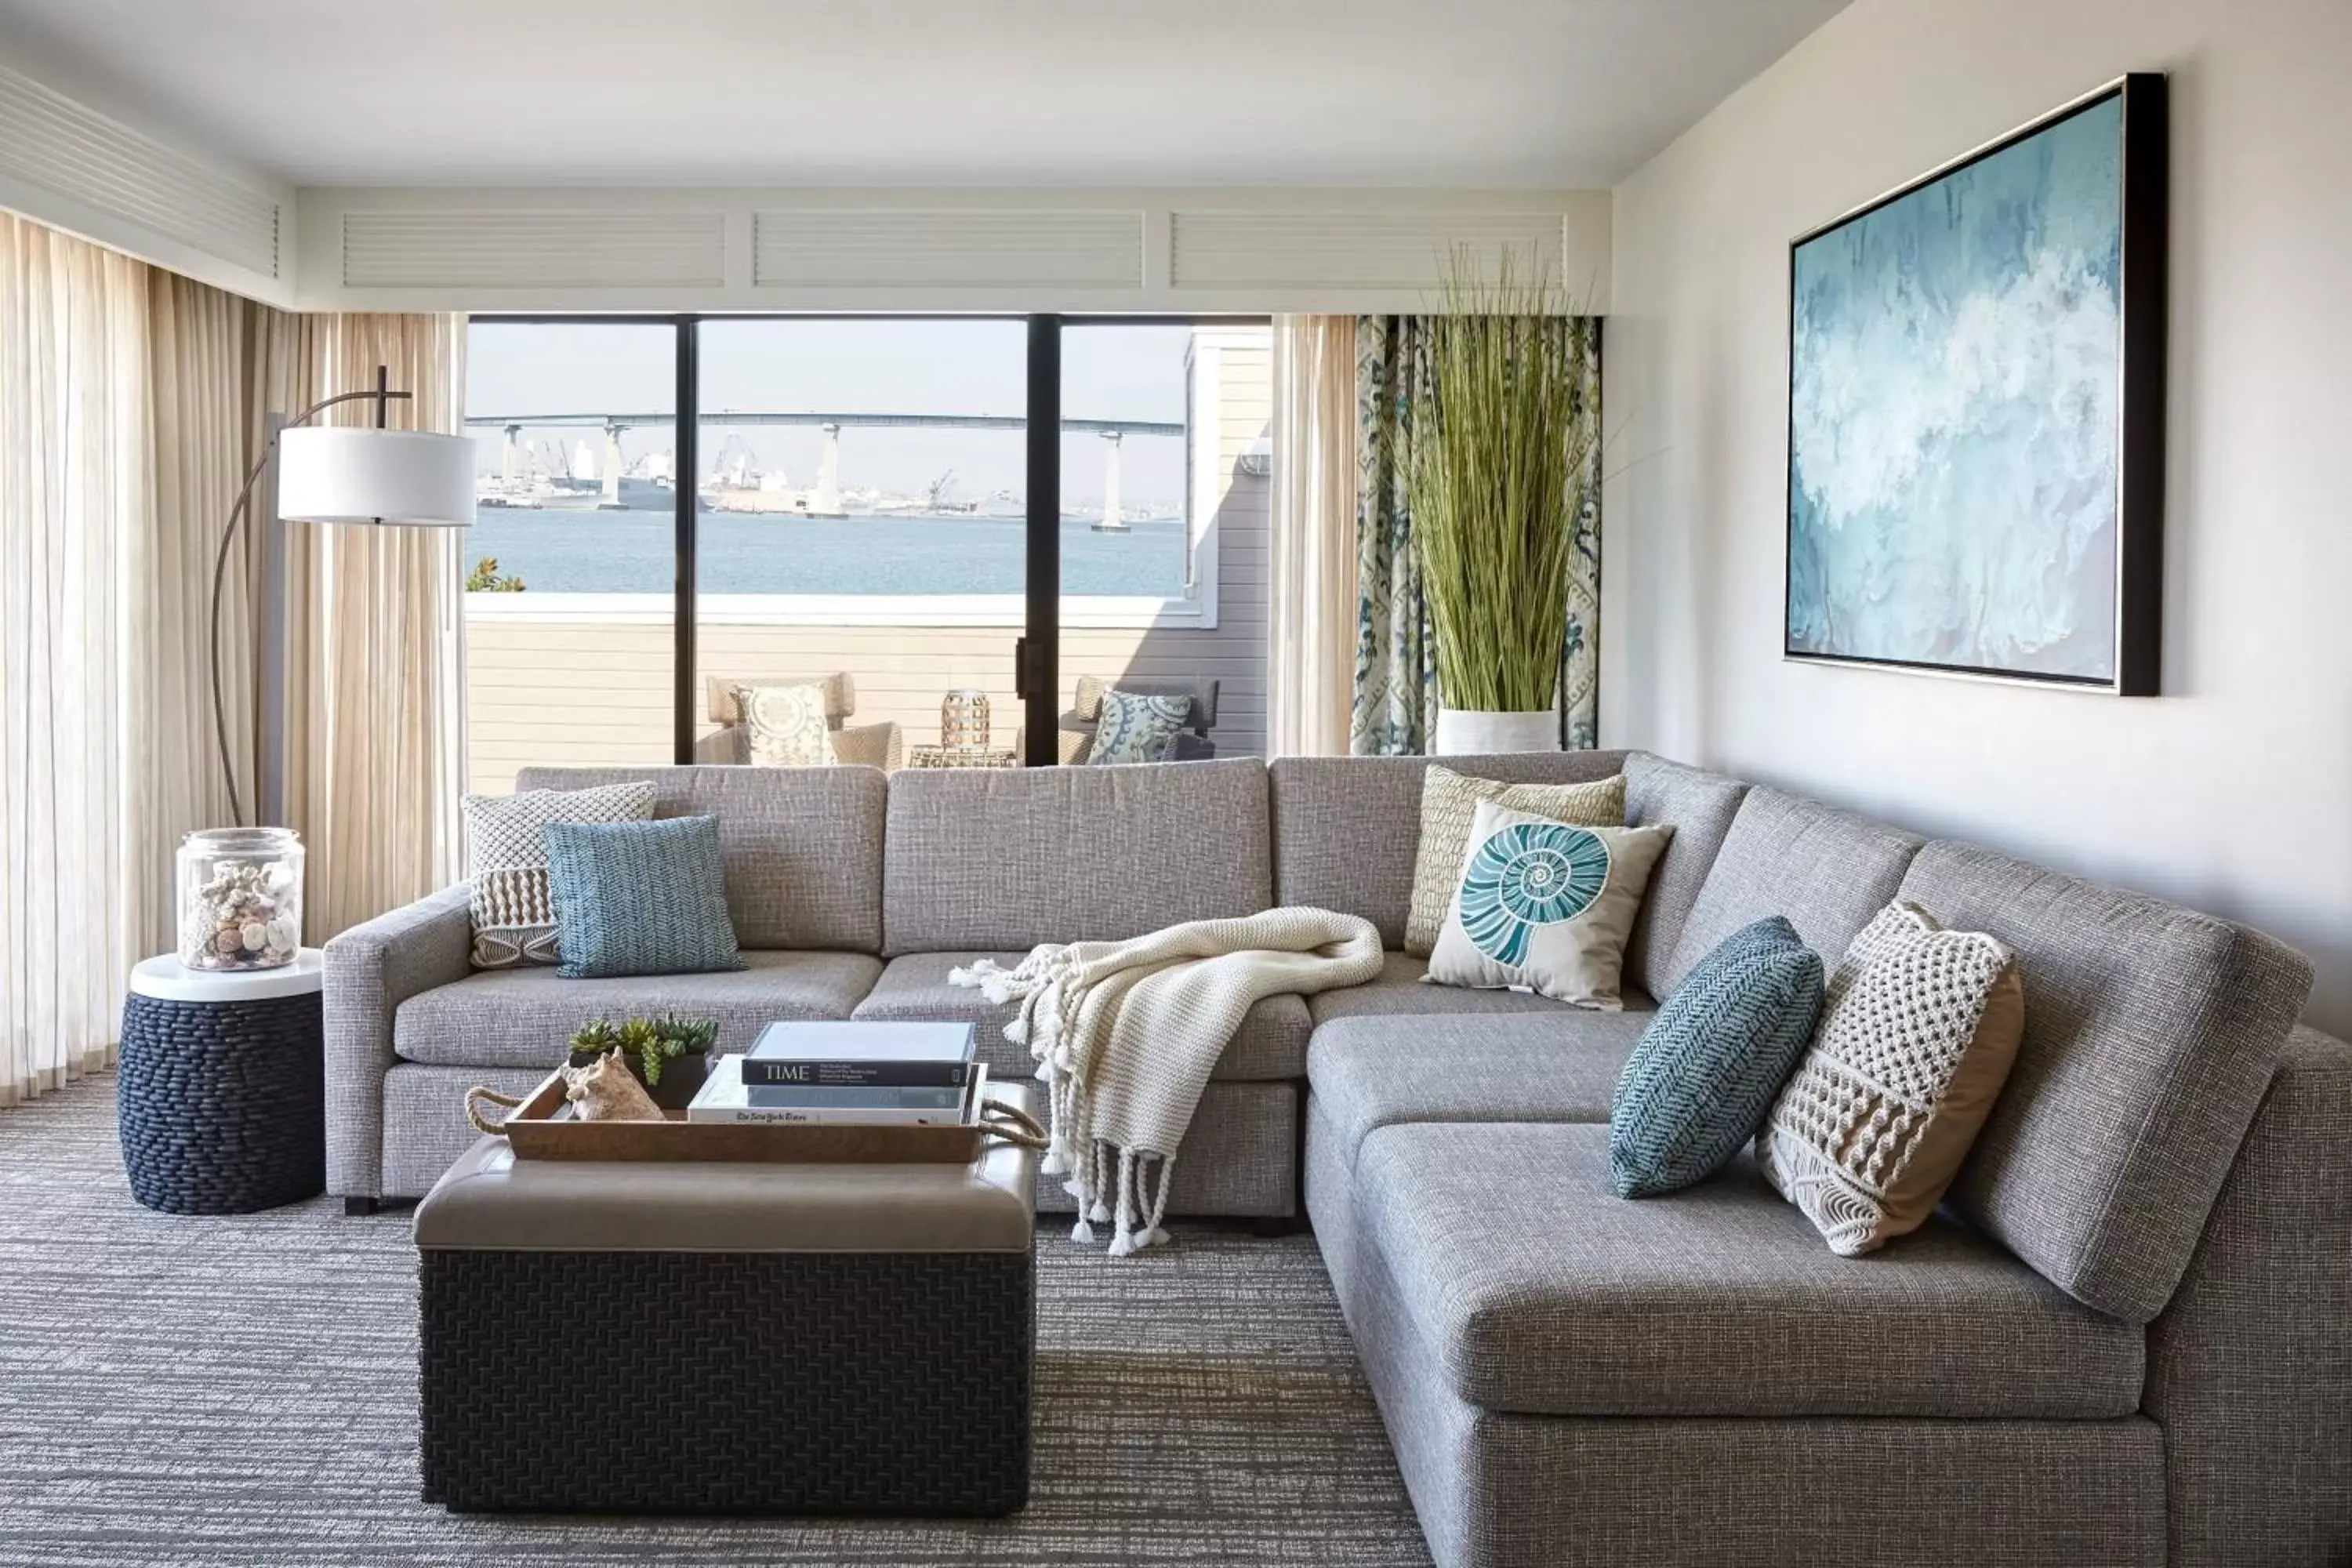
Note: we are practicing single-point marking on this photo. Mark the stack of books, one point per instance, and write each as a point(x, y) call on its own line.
point(875, 1074)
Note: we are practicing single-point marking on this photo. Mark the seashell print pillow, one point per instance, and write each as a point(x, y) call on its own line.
point(1545, 906)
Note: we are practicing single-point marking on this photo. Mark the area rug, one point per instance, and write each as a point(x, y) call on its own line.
point(244, 1391)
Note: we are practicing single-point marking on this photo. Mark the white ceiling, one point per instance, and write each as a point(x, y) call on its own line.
point(1536, 93)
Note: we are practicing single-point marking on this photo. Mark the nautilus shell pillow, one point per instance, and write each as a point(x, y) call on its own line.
point(1919, 1029)
point(1448, 801)
point(1545, 906)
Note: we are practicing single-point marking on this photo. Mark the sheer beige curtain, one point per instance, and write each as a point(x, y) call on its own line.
point(75, 499)
point(1311, 632)
point(132, 404)
point(375, 704)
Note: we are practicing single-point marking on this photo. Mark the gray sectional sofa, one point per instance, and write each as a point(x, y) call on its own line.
point(2126, 1340)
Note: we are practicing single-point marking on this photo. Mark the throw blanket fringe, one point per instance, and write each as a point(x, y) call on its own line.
point(1125, 1035)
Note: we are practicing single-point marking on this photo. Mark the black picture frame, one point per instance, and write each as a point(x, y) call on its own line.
point(2144, 198)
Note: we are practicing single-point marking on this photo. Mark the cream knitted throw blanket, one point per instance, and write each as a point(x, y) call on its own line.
point(1125, 1035)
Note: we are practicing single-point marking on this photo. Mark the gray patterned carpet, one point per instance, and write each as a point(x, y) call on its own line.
point(242, 1390)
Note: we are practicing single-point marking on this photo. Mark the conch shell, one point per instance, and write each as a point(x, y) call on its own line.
point(606, 1091)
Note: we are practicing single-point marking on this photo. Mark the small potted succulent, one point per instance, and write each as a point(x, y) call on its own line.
point(669, 1055)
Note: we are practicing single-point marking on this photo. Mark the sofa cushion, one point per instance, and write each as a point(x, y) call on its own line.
point(1828, 871)
point(988, 858)
point(1399, 992)
point(2151, 1032)
point(1371, 1072)
point(524, 1017)
point(1347, 831)
point(1541, 1291)
point(1699, 806)
point(1271, 1043)
point(802, 847)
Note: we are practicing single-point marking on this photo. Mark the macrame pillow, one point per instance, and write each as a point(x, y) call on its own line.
point(1545, 906)
point(506, 858)
point(1448, 801)
point(1919, 1031)
point(1137, 729)
point(783, 726)
point(1704, 1073)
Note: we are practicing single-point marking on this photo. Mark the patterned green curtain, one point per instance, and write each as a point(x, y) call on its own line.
point(1396, 662)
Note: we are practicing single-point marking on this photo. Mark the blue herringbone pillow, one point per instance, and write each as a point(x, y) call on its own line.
point(1702, 1078)
point(639, 897)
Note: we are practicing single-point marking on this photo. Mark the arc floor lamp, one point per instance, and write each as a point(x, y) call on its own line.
point(328, 473)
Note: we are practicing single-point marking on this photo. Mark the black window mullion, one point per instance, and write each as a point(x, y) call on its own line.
point(684, 466)
point(1039, 656)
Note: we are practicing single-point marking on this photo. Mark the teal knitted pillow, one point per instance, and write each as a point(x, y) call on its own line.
point(1702, 1078)
point(639, 897)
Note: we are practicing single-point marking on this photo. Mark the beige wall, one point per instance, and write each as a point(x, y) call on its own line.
point(2233, 792)
point(583, 691)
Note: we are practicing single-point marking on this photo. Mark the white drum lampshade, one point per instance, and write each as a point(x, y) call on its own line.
point(331, 473)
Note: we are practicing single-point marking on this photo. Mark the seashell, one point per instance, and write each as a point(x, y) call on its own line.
point(227, 942)
point(256, 936)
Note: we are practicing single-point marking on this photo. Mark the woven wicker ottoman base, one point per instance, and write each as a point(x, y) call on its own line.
point(733, 1339)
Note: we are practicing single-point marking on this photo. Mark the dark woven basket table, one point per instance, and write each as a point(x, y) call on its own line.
point(220, 1097)
point(680, 1337)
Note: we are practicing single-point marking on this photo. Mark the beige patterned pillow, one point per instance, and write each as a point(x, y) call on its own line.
point(1448, 801)
point(506, 856)
point(1918, 1033)
point(783, 726)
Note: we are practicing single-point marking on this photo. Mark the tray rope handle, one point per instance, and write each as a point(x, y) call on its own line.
point(1014, 1125)
point(507, 1101)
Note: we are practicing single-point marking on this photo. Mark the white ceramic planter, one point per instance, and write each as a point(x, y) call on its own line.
point(1462, 732)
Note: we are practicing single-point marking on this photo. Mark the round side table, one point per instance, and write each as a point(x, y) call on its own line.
point(220, 1097)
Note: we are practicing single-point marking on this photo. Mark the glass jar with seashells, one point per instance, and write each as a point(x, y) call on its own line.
point(240, 897)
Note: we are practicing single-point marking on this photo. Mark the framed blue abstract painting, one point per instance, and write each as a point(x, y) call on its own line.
point(1975, 411)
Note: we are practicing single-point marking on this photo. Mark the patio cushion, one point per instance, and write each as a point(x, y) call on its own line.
point(2151, 1032)
point(802, 847)
point(1371, 1072)
point(1541, 1291)
point(1271, 1043)
point(1828, 871)
point(981, 858)
point(1347, 831)
point(524, 1017)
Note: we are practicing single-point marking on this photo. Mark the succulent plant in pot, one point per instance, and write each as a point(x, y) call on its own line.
point(1498, 471)
point(669, 1054)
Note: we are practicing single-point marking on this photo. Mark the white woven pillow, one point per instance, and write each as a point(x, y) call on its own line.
point(1917, 1035)
point(506, 858)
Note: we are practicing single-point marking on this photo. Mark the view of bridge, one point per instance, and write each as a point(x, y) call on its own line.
point(824, 499)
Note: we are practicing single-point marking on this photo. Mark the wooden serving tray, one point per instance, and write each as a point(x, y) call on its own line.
point(543, 1128)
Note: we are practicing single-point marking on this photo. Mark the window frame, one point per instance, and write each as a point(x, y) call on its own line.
point(1035, 616)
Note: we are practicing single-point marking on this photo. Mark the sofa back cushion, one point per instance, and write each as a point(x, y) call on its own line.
point(1346, 829)
point(1699, 806)
point(1828, 871)
point(994, 860)
point(802, 847)
point(2151, 1032)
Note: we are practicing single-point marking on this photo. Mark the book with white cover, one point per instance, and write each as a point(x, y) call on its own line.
point(722, 1099)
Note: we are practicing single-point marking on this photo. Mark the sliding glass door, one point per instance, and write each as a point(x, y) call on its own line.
point(674, 509)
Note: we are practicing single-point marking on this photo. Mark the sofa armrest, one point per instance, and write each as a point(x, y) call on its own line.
point(2250, 1368)
point(880, 746)
point(371, 970)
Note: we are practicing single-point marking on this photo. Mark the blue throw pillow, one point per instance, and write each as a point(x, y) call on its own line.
point(1702, 1079)
point(1137, 729)
point(639, 897)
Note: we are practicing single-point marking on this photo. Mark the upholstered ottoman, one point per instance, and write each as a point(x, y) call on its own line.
point(727, 1338)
